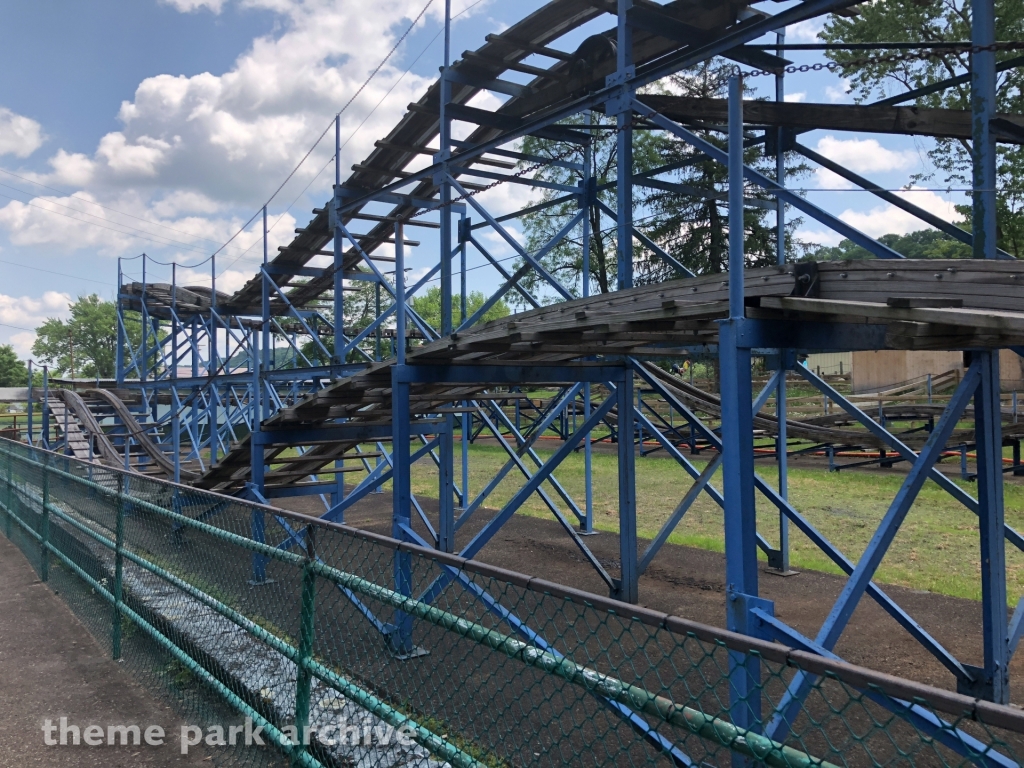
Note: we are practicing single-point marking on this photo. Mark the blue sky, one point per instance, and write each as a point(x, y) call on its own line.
point(162, 125)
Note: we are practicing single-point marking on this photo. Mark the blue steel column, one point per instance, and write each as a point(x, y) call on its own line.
point(212, 406)
point(257, 522)
point(782, 562)
point(586, 202)
point(175, 414)
point(738, 446)
point(44, 437)
point(119, 352)
point(401, 635)
point(258, 393)
point(446, 452)
point(624, 149)
point(994, 683)
point(338, 357)
point(31, 404)
point(628, 589)
point(465, 227)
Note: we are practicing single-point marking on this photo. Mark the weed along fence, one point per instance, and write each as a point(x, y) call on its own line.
point(387, 654)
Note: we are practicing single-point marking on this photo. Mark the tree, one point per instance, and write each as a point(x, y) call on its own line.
point(360, 310)
point(565, 260)
point(13, 372)
point(85, 345)
point(690, 222)
point(428, 306)
point(693, 227)
point(931, 22)
point(923, 244)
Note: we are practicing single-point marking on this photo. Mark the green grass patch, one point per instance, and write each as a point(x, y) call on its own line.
point(936, 549)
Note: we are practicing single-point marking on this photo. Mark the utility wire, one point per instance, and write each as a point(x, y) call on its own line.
point(354, 132)
point(316, 143)
point(51, 272)
point(18, 327)
point(170, 241)
point(99, 205)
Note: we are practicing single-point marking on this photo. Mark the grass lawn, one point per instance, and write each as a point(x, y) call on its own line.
point(936, 549)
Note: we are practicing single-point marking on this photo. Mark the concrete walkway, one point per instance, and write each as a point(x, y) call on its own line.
point(51, 667)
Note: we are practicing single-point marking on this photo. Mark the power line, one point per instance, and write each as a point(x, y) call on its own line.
point(354, 131)
point(99, 205)
point(170, 241)
point(151, 238)
point(51, 272)
point(337, 115)
point(18, 327)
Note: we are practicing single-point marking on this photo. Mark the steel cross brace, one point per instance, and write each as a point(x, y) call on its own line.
point(882, 433)
point(647, 242)
point(378, 476)
point(955, 739)
point(818, 539)
point(876, 549)
point(701, 483)
point(298, 537)
point(423, 325)
point(534, 261)
point(524, 446)
point(790, 197)
point(452, 574)
point(494, 525)
point(514, 458)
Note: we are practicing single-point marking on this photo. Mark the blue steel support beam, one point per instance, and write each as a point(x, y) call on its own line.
point(628, 587)
point(338, 351)
point(993, 682)
point(792, 198)
point(921, 717)
point(779, 560)
point(620, 106)
point(738, 449)
point(905, 452)
point(860, 578)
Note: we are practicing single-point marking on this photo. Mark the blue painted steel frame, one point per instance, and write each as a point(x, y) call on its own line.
point(745, 610)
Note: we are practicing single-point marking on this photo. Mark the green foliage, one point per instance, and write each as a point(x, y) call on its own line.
point(945, 21)
point(689, 222)
point(360, 305)
point(565, 260)
point(13, 372)
point(428, 306)
point(923, 244)
point(85, 345)
point(693, 227)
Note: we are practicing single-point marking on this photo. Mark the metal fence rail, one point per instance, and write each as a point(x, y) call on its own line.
point(477, 666)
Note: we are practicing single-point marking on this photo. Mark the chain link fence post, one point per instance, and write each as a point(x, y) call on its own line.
point(115, 629)
point(304, 679)
point(44, 528)
point(10, 493)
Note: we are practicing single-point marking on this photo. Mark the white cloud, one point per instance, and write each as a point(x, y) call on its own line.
point(139, 158)
point(191, 149)
point(860, 156)
point(826, 237)
point(29, 312)
point(887, 219)
point(840, 93)
point(796, 97)
point(130, 223)
point(19, 135)
point(805, 31)
point(191, 6)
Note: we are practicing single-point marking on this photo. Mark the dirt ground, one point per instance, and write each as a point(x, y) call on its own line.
point(690, 583)
point(51, 667)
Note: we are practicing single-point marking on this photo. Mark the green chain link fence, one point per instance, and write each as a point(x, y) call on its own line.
point(238, 610)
